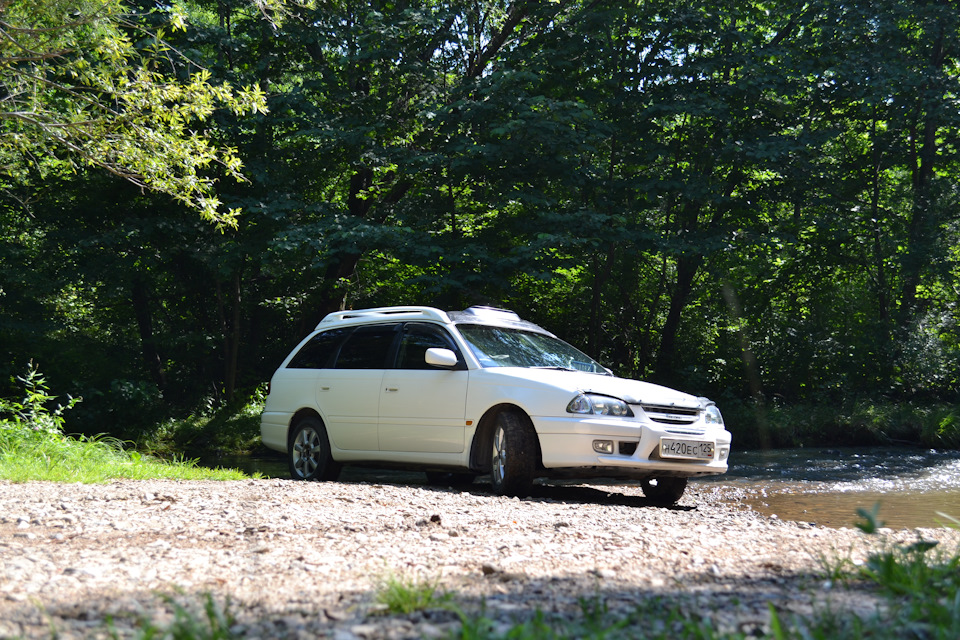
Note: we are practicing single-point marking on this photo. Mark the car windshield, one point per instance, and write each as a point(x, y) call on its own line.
point(504, 347)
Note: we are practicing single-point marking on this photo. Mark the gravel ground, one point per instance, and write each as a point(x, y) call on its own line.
point(298, 559)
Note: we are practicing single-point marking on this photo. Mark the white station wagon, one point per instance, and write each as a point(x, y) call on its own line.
point(466, 393)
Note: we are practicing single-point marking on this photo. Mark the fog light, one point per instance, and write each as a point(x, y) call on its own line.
point(724, 453)
point(603, 446)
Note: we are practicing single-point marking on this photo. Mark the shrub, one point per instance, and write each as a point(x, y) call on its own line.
point(942, 428)
point(31, 417)
point(34, 447)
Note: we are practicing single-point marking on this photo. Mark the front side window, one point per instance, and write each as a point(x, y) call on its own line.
point(368, 347)
point(417, 338)
point(505, 347)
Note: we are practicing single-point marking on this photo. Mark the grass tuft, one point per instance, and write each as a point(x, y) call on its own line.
point(215, 623)
point(406, 595)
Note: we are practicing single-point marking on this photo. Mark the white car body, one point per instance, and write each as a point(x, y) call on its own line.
point(439, 419)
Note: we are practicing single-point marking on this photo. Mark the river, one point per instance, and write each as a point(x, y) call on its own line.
point(913, 487)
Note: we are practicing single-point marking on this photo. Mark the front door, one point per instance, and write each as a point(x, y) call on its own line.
point(422, 408)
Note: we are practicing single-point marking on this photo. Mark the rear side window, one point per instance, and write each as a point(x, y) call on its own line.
point(318, 352)
point(368, 347)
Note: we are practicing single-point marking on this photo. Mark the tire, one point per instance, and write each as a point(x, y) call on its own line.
point(664, 491)
point(446, 479)
point(513, 456)
point(309, 452)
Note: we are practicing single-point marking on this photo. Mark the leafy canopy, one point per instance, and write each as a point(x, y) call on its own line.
point(86, 82)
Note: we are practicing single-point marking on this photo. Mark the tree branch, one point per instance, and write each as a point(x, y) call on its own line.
point(517, 13)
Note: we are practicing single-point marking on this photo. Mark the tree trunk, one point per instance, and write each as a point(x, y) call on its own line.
point(233, 353)
point(343, 264)
point(230, 330)
point(687, 268)
point(600, 277)
point(883, 310)
point(140, 298)
point(922, 227)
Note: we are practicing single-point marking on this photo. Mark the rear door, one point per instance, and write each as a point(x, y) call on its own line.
point(422, 408)
point(349, 394)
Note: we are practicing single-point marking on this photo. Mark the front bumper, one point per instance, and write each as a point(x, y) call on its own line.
point(567, 448)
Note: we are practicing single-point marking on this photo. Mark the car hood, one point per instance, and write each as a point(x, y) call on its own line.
point(631, 391)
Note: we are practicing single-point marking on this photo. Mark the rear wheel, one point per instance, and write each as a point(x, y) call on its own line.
point(309, 455)
point(664, 491)
point(513, 456)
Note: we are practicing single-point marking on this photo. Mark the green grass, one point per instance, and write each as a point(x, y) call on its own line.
point(655, 619)
point(404, 595)
point(91, 460)
point(34, 447)
point(215, 623)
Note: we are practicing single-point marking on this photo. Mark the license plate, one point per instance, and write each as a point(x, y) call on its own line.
point(686, 449)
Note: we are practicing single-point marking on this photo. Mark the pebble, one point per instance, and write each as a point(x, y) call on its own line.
point(303, 559)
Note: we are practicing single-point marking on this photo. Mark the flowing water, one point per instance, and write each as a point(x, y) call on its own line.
point(913, 487)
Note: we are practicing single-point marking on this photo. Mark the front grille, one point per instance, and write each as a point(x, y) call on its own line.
point(628, 448)
point(685, 432)
point(670, 415)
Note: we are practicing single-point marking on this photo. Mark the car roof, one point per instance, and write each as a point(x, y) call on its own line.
point(481, 315)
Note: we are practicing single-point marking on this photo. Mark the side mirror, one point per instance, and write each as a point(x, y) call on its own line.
point(443, 358)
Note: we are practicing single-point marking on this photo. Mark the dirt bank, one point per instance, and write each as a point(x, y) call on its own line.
point(305, 559)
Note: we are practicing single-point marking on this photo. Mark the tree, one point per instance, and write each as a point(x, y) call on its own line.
point(84, 82)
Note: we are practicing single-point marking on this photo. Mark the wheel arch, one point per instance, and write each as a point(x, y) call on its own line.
point(483, 436)
point(301, 414)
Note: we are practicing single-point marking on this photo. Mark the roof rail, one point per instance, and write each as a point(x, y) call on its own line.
point(405, 313)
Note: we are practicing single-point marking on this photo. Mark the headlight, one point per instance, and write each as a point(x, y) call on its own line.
point(592, 404)
point(712, 415)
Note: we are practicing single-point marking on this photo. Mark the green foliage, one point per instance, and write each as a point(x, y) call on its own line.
point(405, 594)
point(941, 428)
point(859, 422)
point(921, 580)
point(30, 418)
point(34, 447)
point(94, 460)
point(751, 204)
point(234, 428)
point(86, 83)
point(215, 623)
point(870, 519)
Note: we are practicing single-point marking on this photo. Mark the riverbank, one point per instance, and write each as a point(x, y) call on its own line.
point(296, 559)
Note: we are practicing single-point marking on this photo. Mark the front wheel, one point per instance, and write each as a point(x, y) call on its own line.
point(513, 456)
point(309, 454)
point(664, 491)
